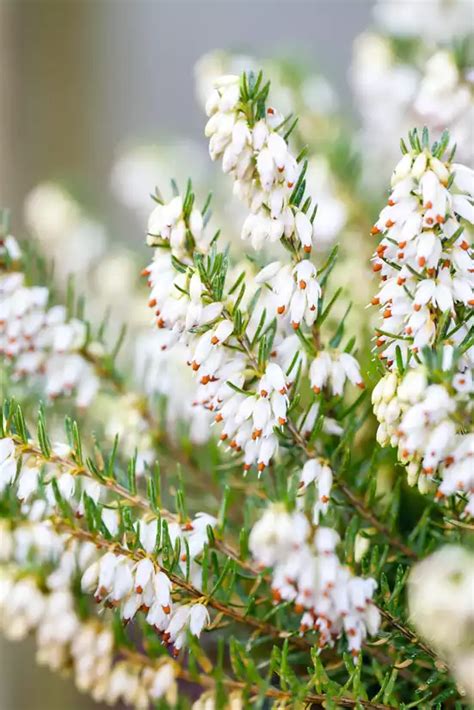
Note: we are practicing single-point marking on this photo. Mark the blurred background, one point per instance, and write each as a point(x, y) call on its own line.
point(101, 100)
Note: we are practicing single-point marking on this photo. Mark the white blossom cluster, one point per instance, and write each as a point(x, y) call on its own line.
point(425, 262)
point(310, 95)
point(83, 648)
point(120, 582)
point(264, 170)
point(424, 258)
point(441, 605)
point(409, 71)
point(38, 339)
point(307, 572)
point(117, 579)
point(421, 419)
point(186, 308)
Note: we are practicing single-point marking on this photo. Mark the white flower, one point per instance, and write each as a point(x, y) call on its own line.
point(8, 463)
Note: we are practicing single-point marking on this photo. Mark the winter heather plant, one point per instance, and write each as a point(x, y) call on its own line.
point(316, 555)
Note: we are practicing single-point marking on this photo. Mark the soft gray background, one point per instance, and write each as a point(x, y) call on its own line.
point(78, 77)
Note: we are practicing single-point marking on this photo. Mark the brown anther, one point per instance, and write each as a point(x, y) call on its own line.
point(401, 281)
point(307, 249)
point(316, 390)
point(428, 205)
point(145, 272)
point(324, 499)
point(380, 249)
point(408, 330)
point(195, 365)
point(390, 202)
point(218, 418)
point(387, 313)
point(214, 340)
point(440, 219)
point(223, 436)
point(464, 245)
point(280, 310)
point(379, 342)
point(375, 230)
point(139, 589)
point(263, 393)
point(417, 307)
point(261, 467)
point(361, 385)
point(281, 421)
point(421, 261)
point(389, 223)
point(302, 284)
point(375, 301)
point(401, 255)
point(377, 266)
point(294, 325)
point(152, 303)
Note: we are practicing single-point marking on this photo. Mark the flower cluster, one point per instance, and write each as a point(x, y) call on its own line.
point(264, 170)
point(245, 386)
point(442, 608)
point(119, 580)
point(38, 339)
point(100, 556)
point(426, 266)
point(307, 572)
point(83, 648)
point(413, 68)
point(422, 420)
point(423, 258)
point(319, 473)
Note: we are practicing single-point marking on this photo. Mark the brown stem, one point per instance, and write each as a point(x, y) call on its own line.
point(261, 627)
point(357, 502)
point(221, 545)
point(208, 682)
point(135, 500)
point(412, 637)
